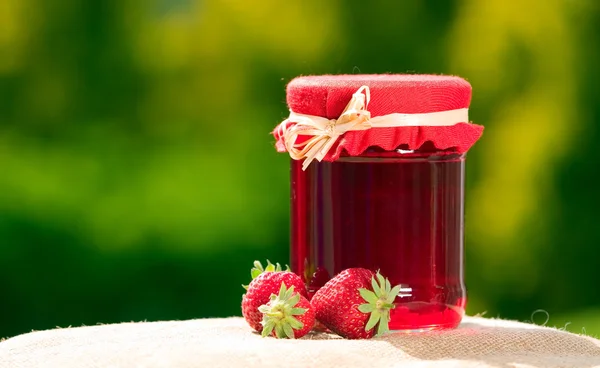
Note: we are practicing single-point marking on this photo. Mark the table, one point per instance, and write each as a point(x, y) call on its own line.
point(228, 342)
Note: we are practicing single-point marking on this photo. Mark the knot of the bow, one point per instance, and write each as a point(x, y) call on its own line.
point(311, 137)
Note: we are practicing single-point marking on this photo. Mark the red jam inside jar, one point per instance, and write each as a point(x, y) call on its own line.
point(402, 214)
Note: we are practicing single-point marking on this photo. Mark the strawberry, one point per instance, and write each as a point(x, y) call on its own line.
point(266, 282)
point(287, 315)
point(354, 302)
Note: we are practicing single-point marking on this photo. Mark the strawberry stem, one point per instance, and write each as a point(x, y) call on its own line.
point(276, 314)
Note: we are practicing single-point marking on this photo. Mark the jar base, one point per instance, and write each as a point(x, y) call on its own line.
point(422, 317)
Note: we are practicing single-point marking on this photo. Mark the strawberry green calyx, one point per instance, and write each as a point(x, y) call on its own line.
point(258, 269)
point(278, 314)
point(378, 303)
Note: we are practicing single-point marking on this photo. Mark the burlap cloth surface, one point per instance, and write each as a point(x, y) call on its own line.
point(228, 342)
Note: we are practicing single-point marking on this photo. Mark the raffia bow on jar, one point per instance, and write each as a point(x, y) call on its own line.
point(311, 137)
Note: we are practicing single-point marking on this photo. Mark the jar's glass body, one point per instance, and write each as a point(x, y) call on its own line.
point(401, 214)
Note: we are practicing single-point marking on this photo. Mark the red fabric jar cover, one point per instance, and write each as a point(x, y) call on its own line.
point(328, 95)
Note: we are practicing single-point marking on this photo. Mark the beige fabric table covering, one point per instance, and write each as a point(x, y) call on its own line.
point(228, 342)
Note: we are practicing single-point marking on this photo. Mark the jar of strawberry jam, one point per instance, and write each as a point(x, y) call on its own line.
point(377, 181)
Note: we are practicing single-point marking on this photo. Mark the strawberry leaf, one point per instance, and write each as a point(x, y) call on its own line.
point(383, 324)
point(393, 293)
point(267, 327)
point(279, 331)
point(295, 323)
point(381, 281)
point(258, 266)
point(295, 299)
point(376, 288)
point(366, 308)
point(368, 295)
point(254, 273)
point(270, 267)
point(282, 290)
point(258, 269)
point(373, 319)
point(263, 308)
point(298, 311)
point(287, 329)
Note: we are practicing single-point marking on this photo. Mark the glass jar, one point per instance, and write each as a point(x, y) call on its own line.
point(398, 212)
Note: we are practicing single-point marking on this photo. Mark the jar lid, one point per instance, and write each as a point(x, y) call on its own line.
point(333, 115)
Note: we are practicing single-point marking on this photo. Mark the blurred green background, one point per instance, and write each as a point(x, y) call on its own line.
point(138, 180)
